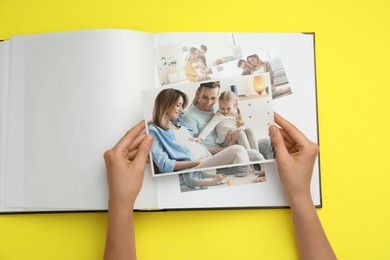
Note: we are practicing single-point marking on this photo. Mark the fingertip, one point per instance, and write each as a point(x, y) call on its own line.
point(147, 144)
point(272, 130)
point(277, 117)
point(142, 123)
point(277, 139)
point(149, 139)
point(273, 133)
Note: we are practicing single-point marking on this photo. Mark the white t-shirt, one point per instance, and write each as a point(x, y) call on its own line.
point(222, 125)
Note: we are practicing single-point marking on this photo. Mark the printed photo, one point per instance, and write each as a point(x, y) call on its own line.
point(267, 61)
point(220, 178)
point(196, 61)
point(210, 125)
point(218, 58)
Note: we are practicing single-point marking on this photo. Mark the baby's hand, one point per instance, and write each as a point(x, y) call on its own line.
point(242, 128)
point(202, 158)
point(231, 138)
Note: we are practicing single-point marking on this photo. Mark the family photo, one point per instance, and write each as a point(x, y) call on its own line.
point(205, 180)
point(267, 61)
point(196, 61)
point(215, 125)
point(214, 59)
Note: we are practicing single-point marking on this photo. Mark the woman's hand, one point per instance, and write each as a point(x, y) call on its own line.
point(231, 137)
point(295, 155)
point(203, 158)
point(125, 164)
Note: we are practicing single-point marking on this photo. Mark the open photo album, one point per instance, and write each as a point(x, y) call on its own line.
point(207, 98)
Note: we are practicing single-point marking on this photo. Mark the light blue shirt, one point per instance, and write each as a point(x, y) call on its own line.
point(198, 119)
point(166, 150)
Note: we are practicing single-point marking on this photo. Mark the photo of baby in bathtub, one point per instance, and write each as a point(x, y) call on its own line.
point(217, 137)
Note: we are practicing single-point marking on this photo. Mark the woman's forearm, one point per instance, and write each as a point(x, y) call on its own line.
point(311, 238)
point(181, 165)
point(120, 242)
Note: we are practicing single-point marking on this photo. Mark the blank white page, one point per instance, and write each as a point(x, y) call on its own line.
point(73, 97)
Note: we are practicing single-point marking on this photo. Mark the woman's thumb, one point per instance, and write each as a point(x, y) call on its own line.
point(277, 141)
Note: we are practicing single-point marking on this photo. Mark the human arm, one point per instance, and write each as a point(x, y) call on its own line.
point(230, 139)
point(203, 66)
point(125, 164)
point(196, 140)
point(181, 165)
point(215, 120)
point(202, 179)
point(242, 127)
point(190, 121)
point(295, 155)
point(213, 181)
point(159, 153)
point(168, 155)
point(194, 122)
point(166, 164)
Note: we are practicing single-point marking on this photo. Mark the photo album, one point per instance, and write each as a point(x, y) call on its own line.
point(207, 98)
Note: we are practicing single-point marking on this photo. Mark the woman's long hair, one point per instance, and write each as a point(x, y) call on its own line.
point(190, 52)
point(214, 84)
point(260, 61)
point(231, 97)
point(165, 101)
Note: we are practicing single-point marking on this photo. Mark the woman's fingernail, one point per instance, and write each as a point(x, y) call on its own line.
point(149, 139)
point(272, 130)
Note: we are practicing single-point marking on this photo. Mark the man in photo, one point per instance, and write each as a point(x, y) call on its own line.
point(247, 68)
point(202, 111)
point(174, 148)
point(201, 54)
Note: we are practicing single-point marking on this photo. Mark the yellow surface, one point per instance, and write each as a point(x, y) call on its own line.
point(352, 44)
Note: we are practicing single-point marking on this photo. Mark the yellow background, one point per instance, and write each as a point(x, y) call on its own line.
point(352, 45)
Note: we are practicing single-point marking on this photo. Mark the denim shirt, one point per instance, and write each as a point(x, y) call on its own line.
point(166, 150)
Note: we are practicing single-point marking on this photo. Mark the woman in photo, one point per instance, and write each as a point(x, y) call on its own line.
point(260, 66)
point(174, 148)
point(195, 69)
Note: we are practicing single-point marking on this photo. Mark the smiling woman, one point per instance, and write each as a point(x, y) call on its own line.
point(167, 106)
point(175, 147)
